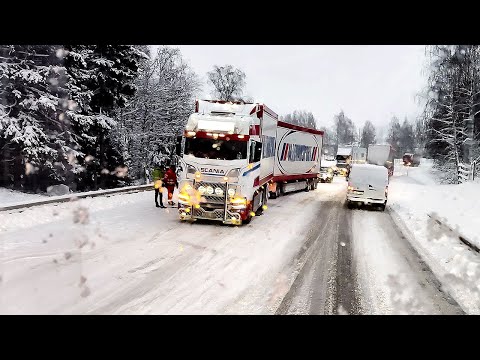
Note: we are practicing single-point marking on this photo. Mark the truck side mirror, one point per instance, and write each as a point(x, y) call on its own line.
point(258, 151)
point(178, 146)
point(251, 158)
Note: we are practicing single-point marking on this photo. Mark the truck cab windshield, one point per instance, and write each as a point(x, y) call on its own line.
point(219, 149)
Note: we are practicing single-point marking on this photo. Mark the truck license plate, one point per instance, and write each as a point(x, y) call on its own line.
point(210, 215)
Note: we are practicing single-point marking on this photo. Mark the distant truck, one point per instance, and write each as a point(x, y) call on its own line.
point(236, 155)
point(382, 155)
point(343, 158)
point(347, 155)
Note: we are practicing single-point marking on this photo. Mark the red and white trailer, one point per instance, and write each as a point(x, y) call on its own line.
point(297, 159)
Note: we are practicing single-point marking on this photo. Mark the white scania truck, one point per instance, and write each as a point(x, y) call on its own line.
point(236, 154)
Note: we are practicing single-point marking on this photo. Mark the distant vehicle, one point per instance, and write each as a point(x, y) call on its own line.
point(367, 185)
point(347, 155)
point(359, 155)
point(344, 157)
point(410, 159)
point(382, 155)
point(326, 174)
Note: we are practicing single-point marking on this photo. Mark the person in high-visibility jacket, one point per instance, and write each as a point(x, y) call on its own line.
point(170, 181)
point(157, 176)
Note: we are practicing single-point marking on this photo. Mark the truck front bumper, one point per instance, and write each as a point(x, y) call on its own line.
point(206, 212)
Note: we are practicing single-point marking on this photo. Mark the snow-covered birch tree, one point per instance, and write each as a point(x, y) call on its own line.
point(148, 126)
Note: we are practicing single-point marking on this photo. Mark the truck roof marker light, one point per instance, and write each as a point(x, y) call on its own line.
point(252, 214)
point(198, 175)
point(264, 207)
point(221, 135)
point(241, 136)
point(209, 134)
point(225, 178)
point(249, 166)
point(191, 133)
point(215, 136)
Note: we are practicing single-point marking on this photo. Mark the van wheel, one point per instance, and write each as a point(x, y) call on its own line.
point(349, 204)
point(382, 207)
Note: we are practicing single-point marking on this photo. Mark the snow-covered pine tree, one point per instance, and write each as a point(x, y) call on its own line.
point(420, 135)
point(368, 134)
point(36, 139)
point(344, 129)
point(101, 81)
point(407, 138)
point(394, 134)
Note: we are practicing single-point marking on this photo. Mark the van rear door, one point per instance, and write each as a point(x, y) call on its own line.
point(369, 182)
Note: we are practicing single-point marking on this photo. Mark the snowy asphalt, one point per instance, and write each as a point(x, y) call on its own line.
point(308, 254)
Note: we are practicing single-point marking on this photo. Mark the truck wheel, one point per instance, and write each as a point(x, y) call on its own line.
point(273, 195)
point(264, 202)
point(307, 188)
point(247, 220)
point(382, 207)
point(349, 204)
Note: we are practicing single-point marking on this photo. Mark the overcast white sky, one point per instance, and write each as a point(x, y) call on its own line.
point(367, 82)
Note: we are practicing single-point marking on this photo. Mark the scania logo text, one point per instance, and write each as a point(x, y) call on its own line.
point(212, 171)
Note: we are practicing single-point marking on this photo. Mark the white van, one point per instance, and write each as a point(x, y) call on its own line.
point(367, 184)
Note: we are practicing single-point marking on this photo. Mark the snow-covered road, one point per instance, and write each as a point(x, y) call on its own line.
point(121, 255)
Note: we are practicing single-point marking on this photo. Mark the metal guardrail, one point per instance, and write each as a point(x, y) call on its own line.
point(74, 196)
point(456, 233)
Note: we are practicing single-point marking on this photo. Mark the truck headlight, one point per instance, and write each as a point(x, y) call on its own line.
point(239, 201)
point(231, 191)
point(201, 189)
point(209, 190)
point(218, 191)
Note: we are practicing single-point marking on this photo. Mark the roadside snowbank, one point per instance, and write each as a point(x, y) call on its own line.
point(8, 197)
point(412, 198)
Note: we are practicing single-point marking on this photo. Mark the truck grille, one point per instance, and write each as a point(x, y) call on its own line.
point(212, 197)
